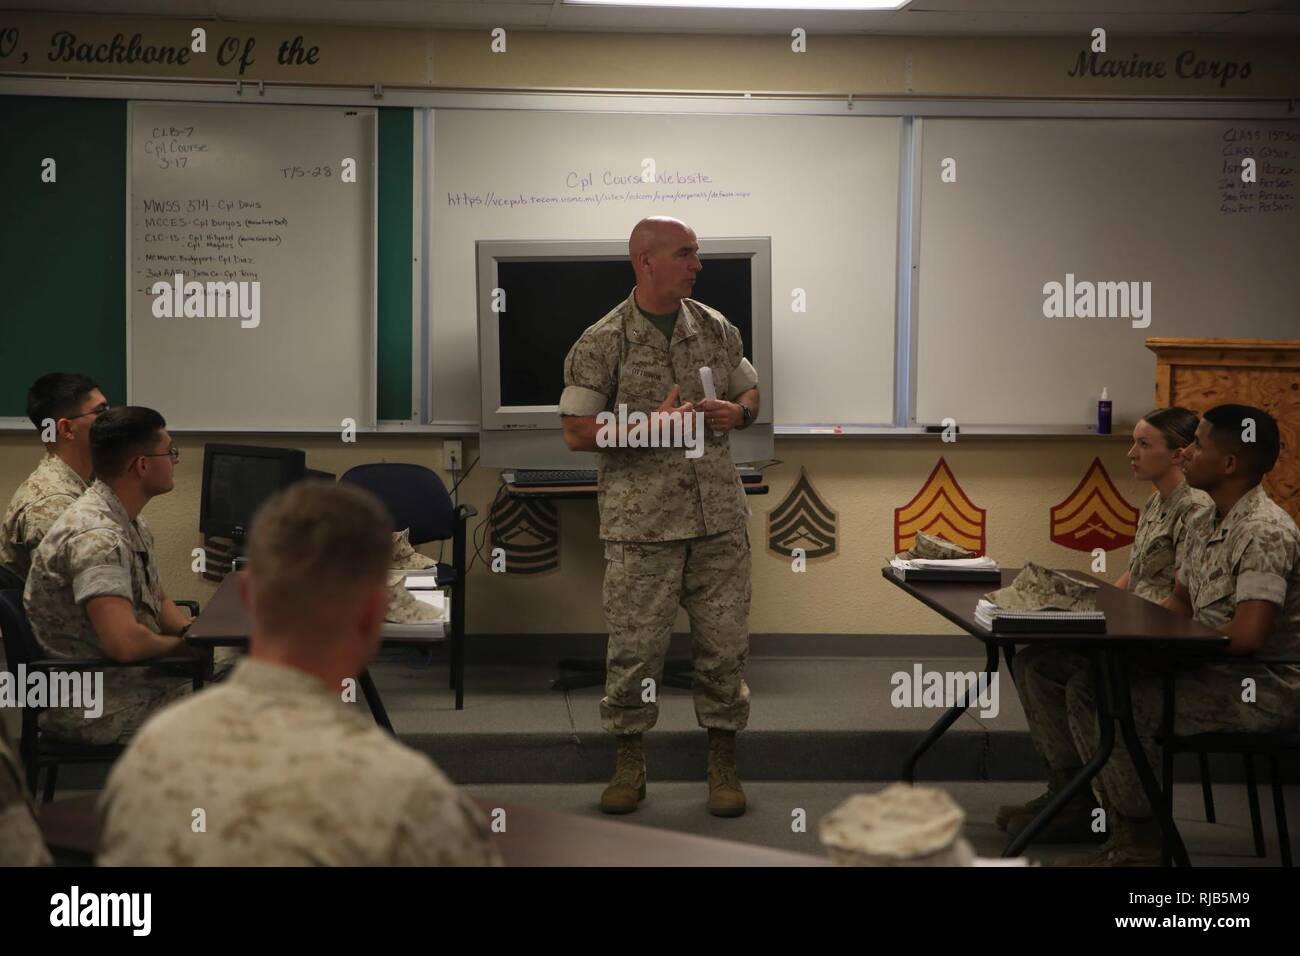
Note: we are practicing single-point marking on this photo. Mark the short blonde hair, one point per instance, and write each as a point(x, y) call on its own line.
point(312, 542)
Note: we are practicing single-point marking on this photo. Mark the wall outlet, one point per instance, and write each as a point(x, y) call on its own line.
point(451, 456)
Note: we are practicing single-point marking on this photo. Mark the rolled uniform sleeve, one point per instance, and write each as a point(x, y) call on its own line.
point(743, 375)
point(589, 376)
point(1262, 568)
point(98, 566)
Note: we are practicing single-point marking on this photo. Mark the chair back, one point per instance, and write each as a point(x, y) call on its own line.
point(414, 495)
point(19, 641)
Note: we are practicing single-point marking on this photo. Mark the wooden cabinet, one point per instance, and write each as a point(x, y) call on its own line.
point(1201, 373)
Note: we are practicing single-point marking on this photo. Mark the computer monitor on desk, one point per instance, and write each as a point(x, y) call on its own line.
point(552, 291)
point(237, 479)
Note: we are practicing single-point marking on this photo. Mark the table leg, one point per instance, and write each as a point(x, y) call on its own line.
point(1105, 745)
point(948, 718)
point(1173, 843)
point(374, 701)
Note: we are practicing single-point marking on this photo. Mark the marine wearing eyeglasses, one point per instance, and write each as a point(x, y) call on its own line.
point(62, 406)
point(94, 589)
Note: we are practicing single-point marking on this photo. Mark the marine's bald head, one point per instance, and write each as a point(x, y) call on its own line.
point(665, 257)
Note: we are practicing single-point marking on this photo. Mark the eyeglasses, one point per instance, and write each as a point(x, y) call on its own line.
point(97, 410)
point(173, 453)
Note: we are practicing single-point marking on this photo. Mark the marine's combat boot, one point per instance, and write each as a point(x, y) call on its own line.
point(726, 798)
point(1056, 782)
point(627, 788)
point(1134, 841)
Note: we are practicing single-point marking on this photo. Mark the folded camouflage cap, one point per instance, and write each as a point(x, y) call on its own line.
point(899, 826)
point(405, 557)
point(1041, 589)
point(403, 608)
point(936, 547)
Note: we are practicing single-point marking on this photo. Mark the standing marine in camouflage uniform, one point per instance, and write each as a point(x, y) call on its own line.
point(62, 407)
point(1241, 576)
point(94, 589)
point(284, 771)
point(674, 527)
point(1160, 441)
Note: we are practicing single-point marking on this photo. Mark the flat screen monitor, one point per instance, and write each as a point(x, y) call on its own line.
point(537, 297)
point(237, 479)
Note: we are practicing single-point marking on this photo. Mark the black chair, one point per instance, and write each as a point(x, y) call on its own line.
point(37, 749)
point(10, 581)
point(1248, 746)
point(417, 499)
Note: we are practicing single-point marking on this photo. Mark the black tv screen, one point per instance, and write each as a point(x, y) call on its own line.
point(237, 479)
point(549, 304)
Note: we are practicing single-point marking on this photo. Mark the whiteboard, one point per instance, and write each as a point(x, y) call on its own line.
point(1102, 200)
point(253, 194)
point(825, 189)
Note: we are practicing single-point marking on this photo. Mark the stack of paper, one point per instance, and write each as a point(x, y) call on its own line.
point(996, 618)
point(971, 570)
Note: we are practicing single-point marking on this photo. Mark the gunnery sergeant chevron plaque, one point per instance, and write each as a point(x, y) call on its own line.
point(528, 530)
point(941, 508)
point(803, 520)
point(1095, 515)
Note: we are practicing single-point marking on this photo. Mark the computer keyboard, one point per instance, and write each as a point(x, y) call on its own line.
point(559, 476)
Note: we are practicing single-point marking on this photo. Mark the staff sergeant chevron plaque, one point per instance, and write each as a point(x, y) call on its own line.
point(940, 507)
point(803, 520)
point(529, 532)
point(1095, 515)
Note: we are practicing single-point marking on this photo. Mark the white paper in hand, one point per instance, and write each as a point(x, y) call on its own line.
point(706, 379)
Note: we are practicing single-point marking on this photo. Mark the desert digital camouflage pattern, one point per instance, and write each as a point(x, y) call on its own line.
point(40, 499)
point(1161, 540)
point(403, 608)
point(21, 843)
point(94, 550)
point(936, 548)
point(405, 557)
point(658, 494)
point(1040, 589)
point(286, 774)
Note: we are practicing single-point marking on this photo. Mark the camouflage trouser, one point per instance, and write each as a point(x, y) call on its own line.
point(644, 584)
point(131, 696)
point(1207, 699)
point(1042, 673)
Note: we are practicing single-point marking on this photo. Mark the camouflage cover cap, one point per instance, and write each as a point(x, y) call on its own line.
point(899, 826)
point(406, 557)
point(1039, 589)
point(403, 608)
point(936, 547)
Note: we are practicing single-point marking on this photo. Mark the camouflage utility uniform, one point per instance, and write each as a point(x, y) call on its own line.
point(95, 550)
point(286, 774)
point(38, 502)
point(674, 528)
point(1251, 554)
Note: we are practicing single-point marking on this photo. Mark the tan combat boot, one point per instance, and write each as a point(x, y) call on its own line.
point(627, 788)
point(1056, 782)
point(726, 798)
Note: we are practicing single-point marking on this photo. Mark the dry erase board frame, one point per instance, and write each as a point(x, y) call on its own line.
point(704, 101)
point(241, 340)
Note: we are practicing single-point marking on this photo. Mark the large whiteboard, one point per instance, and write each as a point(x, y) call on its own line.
point(825, 189)
point(247, 193)
point(1036, 200)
